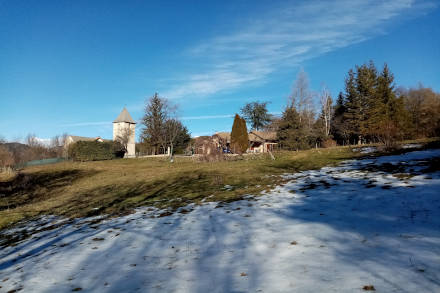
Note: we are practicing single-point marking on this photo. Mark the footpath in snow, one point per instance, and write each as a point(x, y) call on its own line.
point(372, 222)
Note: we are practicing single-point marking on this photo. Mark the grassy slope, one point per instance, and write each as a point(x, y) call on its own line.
point(114, 187)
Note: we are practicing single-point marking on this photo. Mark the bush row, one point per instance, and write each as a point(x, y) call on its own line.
point(95, 150)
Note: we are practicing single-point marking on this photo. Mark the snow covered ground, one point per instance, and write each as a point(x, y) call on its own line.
point(373, 222)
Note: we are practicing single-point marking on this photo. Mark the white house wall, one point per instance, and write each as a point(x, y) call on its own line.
point(119, 129)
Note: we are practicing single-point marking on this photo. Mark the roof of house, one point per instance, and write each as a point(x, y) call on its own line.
point(124, 116)
point(262, 136)
point(224, 135)
point(83, 138)
point(200, 140)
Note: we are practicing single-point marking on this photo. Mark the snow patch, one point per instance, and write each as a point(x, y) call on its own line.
point(338, 229)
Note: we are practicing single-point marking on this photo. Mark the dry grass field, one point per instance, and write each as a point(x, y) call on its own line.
point(74, 189)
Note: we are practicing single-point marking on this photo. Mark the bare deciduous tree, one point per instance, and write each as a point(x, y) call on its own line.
point(172, 129)
point(423, 106)
point(302, 97)
point(56, 145)
point(327, 109)
point(58, 140)
point(55, 141)
point(38, 150)
point(6, 159)
point(32, 140)
point(302, 100)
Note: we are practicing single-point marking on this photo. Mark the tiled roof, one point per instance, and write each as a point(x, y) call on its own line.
point(255, 135)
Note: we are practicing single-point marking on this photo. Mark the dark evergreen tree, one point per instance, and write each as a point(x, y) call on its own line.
point(360, 100)
point(388, 116)
point(366, 83)
point(156, 115)
point(339, 129)
point(239, 135)
point(372, 111)
point(162, 129)
point(352, 115)
point(318, 133)
point(291, 131)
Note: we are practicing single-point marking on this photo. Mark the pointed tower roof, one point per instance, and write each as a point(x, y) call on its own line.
point(124, 116)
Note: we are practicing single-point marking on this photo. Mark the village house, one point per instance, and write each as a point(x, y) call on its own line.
point(124, 131)
point(222, 140)
point(259, 142)
point(262, 141)
point(70, 139)
point(73, 138)
point(203, 145)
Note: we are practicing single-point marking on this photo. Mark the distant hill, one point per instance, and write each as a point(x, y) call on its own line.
point(16, 147)
point(24, 153)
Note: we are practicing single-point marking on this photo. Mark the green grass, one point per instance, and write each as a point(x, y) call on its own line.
point(116, 187)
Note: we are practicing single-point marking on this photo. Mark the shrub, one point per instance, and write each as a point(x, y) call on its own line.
point(212, 153)
point(118, 149)
point(328, 143)
point(95, 150)
point(6, 158)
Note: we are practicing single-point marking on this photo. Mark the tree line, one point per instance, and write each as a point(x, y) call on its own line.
point(161, 128)
point(370, 109)
point(14, 153)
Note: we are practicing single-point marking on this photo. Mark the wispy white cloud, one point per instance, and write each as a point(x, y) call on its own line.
point(43, 141)
point(79, 124)
point(105, 124)
point(286, 36)
point(207, 117)
point(194, 135)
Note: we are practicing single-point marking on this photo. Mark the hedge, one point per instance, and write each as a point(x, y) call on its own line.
point(95, 150)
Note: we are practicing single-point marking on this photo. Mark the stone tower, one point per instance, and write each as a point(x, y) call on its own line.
point(124, 131)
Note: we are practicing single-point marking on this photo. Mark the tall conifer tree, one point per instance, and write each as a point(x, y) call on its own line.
point(366, 83)
point(339, 128)
point(353, 107)
point(239, 135)
point(291, 133)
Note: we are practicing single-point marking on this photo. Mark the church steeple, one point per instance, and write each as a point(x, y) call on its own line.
point(124, 116)
point(124, 129)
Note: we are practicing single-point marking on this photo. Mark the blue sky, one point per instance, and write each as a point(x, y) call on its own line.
point(71, 66)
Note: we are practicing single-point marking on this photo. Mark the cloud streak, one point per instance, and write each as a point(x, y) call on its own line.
point(287, 36)
point(79, 124)
point(207, 117)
